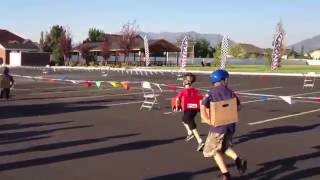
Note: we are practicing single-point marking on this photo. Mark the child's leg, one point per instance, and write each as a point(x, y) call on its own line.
point(197, 135)
point(240, 163)
point(219, 160)
point(5, 93)
point(231, 153)
point(187, 128)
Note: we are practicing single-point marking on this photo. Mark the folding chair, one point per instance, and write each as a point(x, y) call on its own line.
point(309, 79)
point(150, 98)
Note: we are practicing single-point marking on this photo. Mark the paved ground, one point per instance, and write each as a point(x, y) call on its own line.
point(51, 131)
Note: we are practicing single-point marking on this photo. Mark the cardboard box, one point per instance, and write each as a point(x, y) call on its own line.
point(4, 82)
point(221, 113)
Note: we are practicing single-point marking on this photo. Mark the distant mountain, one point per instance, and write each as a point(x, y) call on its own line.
point(172, 37)
point(309, 44)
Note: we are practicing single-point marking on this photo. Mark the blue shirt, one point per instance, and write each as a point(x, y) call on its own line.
point(220, 93)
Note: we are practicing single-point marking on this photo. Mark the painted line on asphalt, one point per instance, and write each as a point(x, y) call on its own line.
point(283, 117)
point(251, 90)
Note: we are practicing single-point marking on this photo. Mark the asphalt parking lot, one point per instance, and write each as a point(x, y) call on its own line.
point(60, 130)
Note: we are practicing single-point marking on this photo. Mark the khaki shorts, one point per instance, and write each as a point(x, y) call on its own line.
point(217, 143)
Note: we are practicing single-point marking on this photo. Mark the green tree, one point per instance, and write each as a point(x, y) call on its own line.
point(50, 43)
point(302, 51)
point(268, 56)
point(95, 35)
point(217, 56)
point(236, 51)
point(65, 46)
point(201, 48)
point(211, 51)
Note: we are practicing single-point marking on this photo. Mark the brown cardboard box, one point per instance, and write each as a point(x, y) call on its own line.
point(221, 113)
point(4, 82)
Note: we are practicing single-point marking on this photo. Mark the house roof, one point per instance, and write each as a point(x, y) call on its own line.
point(14, 42)
point(7, 36)
point(250, 48)
point(159, 45)
point(20, 46)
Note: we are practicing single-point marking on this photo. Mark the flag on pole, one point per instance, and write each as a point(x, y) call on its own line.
point(184, 52)
point(276, 54)
point(146, 50)
point(98, 84)
point(224, 51)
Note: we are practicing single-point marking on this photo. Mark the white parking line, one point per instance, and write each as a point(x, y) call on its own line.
point(250, 90)
point(246, 102)
point(283, 117)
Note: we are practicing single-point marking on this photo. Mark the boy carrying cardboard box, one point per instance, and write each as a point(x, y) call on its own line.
point(219, 110)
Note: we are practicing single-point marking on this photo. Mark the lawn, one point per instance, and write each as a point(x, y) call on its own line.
point(255, 68)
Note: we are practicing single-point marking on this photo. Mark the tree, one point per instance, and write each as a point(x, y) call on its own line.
point(302, 51)
point(129, 33)
point(85, 53)
point(41, 42)
point(236, 51)
point(211, 51)
point(268, 56)
point(201, 48)
point(105, 47)
point(95, 35)
point(217, 55)
point(50, 43)
point(65, 46)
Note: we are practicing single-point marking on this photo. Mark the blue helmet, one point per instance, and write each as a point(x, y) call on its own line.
point(219, 75)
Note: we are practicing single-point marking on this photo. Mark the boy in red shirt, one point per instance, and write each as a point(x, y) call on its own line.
point(189, 113)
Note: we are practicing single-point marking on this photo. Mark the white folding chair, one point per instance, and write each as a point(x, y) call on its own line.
point(150, 97)
point(309, 79)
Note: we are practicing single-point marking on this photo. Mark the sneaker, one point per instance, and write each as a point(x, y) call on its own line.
point(224, 176)
point(189, 137)
point(241, 166)
point(200, 147)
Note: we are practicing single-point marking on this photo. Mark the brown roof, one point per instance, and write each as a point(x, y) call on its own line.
point(159, 45)
point(251, 49)
point(6, 36)
point(14, 42)
point(20, 46)
point(115, 41)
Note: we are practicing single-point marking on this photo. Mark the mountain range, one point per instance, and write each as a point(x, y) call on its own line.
point(214, 39)
point(308, 44)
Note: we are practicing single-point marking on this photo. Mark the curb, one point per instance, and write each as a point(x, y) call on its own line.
point(164, 70)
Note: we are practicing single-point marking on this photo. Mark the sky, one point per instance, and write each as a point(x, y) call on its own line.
point(245, 21)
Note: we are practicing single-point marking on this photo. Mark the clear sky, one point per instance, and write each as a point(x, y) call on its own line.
point(251, 21)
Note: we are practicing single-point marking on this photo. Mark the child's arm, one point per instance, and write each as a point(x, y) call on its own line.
point(205, 115)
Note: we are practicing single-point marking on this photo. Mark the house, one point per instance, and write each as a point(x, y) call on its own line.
point(157, 48)
point(315, 54)
point(250, 50)
point(15, 50)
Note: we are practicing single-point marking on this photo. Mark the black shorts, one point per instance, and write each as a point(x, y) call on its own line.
point(188, 118)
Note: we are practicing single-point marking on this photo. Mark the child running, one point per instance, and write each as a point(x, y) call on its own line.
point(189, 114)
point(219, 140)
